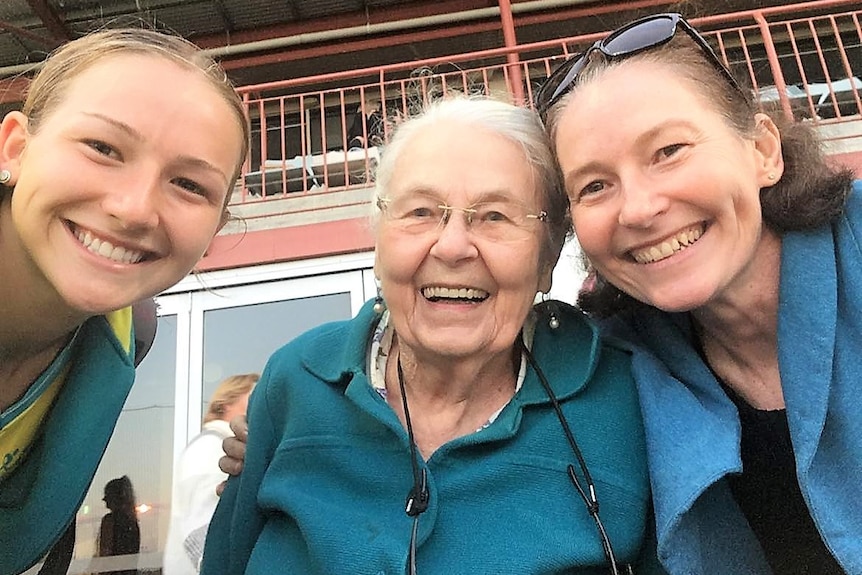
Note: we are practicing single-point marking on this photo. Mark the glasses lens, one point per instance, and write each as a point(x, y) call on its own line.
point(415, 214)
point(502, 221)
point(640, 36)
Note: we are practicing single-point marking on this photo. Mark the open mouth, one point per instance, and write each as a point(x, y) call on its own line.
point(105, 248)
point(668, 247)
point(467, 295)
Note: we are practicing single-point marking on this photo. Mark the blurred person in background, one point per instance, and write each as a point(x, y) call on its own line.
point(197, 474)
point(119, 532)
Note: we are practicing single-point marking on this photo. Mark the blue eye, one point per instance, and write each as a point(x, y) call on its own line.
point(668, 151)
point(592, 188)
point(102, 148)
point(420, 212)
point(189, 186)
point(494, 216)
point(415, 208)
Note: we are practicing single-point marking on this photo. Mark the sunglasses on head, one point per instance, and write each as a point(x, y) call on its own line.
point(631, 39)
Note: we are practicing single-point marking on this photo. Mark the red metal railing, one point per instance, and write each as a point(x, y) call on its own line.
point(810, 65)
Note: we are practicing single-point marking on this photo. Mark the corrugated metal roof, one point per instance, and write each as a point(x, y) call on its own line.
point(29, 29)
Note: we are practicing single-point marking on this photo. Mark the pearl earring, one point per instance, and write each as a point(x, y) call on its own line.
point(379, 305)
point(552, 311)
point(5, 176)
point(553, 319)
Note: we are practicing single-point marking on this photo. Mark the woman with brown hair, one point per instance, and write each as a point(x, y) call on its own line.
point(730, 251)
point(119, 531)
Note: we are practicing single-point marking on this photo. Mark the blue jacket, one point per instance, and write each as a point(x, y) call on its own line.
point(40, 498)
point(328, 469)
point(693, 429)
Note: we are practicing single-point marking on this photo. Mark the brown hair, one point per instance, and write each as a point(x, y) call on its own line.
point(67, 62)
point(120, 495)
point(810, 193)
point(227, 393)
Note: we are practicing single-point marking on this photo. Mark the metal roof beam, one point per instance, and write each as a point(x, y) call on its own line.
point(218, 5)
point(52, 21)
point(19, 33)
point(293, 6)
point(374, 16)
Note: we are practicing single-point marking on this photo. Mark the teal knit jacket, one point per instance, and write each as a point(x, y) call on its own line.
point(328, 468)
point(40, 498)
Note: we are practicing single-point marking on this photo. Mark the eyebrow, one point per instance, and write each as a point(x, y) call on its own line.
point(197, 162)
point(136, 135)
point(656, 130)
point(122, 126)
point(589, 167)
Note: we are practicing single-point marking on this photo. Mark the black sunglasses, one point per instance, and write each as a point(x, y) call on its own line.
point(631, 39)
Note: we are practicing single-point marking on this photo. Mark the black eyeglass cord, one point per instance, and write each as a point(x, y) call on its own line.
point(588, 494)
point(417, 499)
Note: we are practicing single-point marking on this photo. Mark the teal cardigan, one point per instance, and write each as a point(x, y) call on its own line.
point(328, 468)
point(40, 498)
point(693, 428)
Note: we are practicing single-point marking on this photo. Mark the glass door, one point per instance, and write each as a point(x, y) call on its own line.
point(242, 326)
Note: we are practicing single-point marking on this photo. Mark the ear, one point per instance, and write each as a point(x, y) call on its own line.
point(767, 145)
point(13, 140)
point(546, 268)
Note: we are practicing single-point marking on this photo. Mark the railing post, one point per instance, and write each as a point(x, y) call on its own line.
point(775, 66)
point(516, 79)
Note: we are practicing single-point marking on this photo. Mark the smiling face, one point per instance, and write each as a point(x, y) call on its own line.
point(450, 291)
point(123, 184)
point(665, 197)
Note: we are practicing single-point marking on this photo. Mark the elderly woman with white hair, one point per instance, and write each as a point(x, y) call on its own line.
point(451, 426)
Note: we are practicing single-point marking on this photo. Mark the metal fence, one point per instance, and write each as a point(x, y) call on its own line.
point(793, 56)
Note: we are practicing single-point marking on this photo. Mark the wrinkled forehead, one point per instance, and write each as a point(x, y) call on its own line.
point(463, 161)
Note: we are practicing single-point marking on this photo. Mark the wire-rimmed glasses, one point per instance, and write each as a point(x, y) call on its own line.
point(496, 219)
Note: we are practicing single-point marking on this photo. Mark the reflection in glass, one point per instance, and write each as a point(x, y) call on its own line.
point(141, 448)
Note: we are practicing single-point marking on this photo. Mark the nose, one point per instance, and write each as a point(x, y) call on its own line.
point(134, 199)
point(454, 242)
point(642, 202)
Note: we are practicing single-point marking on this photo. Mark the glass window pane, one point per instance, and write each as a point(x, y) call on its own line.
point(142, 449)
point(241, 339)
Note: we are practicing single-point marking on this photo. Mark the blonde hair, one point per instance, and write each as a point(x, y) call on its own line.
point(70, 60)
point(227, 393)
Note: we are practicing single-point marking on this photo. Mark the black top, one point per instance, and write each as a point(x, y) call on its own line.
point(768, 493)
point(125, 537)
point(365, 132)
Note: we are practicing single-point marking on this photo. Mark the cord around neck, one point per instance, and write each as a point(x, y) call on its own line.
point(417, 499)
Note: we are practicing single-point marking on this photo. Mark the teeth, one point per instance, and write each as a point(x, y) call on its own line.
point(454, 293)
point(107, 250)
point(668, 247)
